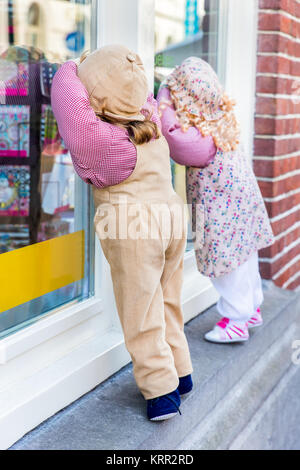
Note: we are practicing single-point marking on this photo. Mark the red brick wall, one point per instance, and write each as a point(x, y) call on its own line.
point(277, 135)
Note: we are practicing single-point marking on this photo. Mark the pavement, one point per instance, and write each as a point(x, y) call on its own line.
point(239, 390)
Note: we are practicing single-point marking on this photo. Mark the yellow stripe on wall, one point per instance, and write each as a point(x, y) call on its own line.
point(35, 270)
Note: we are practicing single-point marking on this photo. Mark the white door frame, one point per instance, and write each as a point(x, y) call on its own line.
point(239, 25)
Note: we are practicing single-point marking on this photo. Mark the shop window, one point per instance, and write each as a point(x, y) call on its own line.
point(45, 222)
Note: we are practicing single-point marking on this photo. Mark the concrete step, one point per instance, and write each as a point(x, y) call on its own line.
point(275, 425)
point(231, 405)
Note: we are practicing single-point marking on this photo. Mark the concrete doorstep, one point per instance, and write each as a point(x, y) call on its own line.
point(245, 395)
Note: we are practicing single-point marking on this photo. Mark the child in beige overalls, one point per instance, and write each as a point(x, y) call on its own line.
point(145, 246)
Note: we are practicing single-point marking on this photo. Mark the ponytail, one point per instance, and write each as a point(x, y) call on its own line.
point(84, 56)
point(140, 132)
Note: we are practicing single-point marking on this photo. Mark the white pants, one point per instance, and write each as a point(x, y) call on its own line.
point(240, 291)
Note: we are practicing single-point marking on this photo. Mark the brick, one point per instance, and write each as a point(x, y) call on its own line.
point(297, 10)
point(268, 42)
point(277, 64)
point(276, 21)
point(294, 284)
point(283, 205)
point(287, 86)
point(268, 252)
point(266, 84)
point(284, 45)
point(295, 29)
point(269, 126)
point(269, 21)
point(264, 146)
point(284, 259)
point(287, 274)
point(276, 147)
point(293, 48)
point(279, 245)
point(286, 146)
point(295, 67)
point(286, 24)
point(265, 270)
point(276, 43)
point(276, 188)
point(272, 168)
point(269, 270)
point(263, 168)
point(286, 5)
point(265, 126)
point(286, 165)
point(293, 88)
point(294, 104)
point(270, 4)
point(277, 85)
point(289, 6)
point(274, 105)
point(286, 222)
point(274, 64)
point(268, 106)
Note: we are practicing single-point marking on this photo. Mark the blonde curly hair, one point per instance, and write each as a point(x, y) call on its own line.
point(200, 101)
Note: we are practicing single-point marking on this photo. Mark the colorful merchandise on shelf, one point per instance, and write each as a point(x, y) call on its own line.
point(14, 131)
point(53, 228)
point(51, 142)
point(58, 185)
point(47, 73)
point(14, 79)
point(13, 237)
point(14, 190)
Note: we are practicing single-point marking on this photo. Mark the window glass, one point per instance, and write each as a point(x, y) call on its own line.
point(45, 223)
point(184, 28)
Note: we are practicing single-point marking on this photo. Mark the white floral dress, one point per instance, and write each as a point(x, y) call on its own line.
point(228, 213)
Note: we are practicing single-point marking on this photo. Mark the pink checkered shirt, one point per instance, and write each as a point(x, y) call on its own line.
point(102, 153)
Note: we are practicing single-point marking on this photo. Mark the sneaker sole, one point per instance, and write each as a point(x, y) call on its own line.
point(225, 341)
point(250, 327)
point(164, 417)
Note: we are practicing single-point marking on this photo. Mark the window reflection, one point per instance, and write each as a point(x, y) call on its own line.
point(183, 28)
point(38, 186)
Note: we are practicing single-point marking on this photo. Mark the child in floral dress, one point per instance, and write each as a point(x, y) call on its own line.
point(228, 213)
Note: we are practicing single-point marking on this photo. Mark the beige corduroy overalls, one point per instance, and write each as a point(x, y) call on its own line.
point(145, 250)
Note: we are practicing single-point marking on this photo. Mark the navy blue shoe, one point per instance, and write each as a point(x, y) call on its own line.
point(185, 384)
point(164, 407)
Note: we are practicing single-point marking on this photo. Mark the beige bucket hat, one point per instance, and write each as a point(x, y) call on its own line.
point(116, 82)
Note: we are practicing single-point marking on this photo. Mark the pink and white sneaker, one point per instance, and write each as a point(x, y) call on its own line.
point(228, 331)
point(255, 320)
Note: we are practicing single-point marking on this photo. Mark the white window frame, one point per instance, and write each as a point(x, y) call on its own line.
point(239, 24)
point(69, 351)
